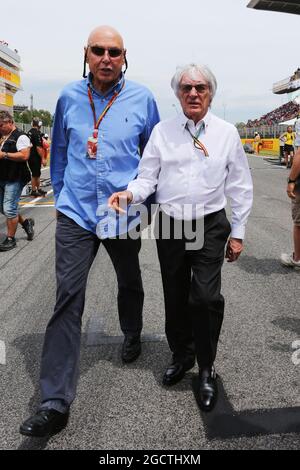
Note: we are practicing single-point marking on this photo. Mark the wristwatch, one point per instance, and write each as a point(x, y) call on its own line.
point(5, 156)
point(291, 181)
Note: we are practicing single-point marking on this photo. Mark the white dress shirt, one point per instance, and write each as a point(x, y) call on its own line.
point(184, 177)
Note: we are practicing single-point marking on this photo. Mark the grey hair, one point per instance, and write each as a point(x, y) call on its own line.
point(192, 70)
point(6, 116)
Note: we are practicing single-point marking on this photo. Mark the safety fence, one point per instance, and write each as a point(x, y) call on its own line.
point(26, 127)
point(266, 132)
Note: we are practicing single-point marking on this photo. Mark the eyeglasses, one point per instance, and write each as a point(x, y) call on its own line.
point(113, 52)
point(187, 88)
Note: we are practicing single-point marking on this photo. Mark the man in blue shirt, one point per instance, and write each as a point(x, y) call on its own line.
point(101, 126)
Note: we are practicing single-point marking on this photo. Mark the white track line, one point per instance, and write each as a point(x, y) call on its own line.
point(38, 206)
point(2, 353)
point(37, 199)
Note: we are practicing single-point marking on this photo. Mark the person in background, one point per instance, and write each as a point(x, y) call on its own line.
point(257, 143)
point(289, 138)
point(46, 148)
point(36, 158)
point(293, 191)
point(297, 133)
point(14, 175)
point(281, 148)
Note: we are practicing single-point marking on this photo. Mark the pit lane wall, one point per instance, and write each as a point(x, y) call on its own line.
point(271, 145)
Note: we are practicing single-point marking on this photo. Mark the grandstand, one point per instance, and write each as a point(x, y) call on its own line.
point(272, 124)
point(9, 76)
point(284, 113)
point(290, 6)
point(288, 85)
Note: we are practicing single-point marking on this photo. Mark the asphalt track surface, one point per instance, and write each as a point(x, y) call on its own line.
point(125, 406)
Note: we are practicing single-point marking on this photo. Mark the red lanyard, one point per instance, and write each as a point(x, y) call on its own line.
point(109, 105)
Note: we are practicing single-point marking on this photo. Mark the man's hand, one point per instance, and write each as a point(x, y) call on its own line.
point(291, 190)
point(2, 155)
point(119, 201)
point(234, 249)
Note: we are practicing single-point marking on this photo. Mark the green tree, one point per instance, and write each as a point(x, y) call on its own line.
point(44, 116)
point(25, 117)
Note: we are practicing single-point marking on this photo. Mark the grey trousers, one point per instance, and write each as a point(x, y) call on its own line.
point(76, 249)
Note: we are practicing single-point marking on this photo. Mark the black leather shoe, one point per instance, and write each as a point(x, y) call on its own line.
point(176, 371)
point(8, 244)
point(44, 423)
point(28, 225)
point(131, 348)
point(207, 393)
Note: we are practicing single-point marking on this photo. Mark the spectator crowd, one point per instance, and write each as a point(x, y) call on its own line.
point(283, 113)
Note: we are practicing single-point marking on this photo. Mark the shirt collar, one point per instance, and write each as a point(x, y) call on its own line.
point(184, 120)
point(116, 87)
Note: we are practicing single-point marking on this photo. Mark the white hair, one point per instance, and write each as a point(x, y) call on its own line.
point(192, 70)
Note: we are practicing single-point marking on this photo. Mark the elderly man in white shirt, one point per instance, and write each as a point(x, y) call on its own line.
point(194, 160)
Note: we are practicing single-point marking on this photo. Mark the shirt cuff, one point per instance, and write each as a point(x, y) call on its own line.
point(238, 231)
point(135, 198)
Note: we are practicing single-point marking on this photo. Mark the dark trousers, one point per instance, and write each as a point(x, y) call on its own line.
point(192, 291)
point(76, 249)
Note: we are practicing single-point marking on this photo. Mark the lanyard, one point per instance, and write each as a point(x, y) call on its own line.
point(197, 142)
point(4, 139)
point(107, 107)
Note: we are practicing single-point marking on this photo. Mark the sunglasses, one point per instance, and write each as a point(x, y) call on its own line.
point(200, 88)
point(113, 52)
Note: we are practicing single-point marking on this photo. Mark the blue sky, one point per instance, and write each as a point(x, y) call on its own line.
point(248, 50)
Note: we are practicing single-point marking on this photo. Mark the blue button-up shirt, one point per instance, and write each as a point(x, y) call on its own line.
point(81, 185)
